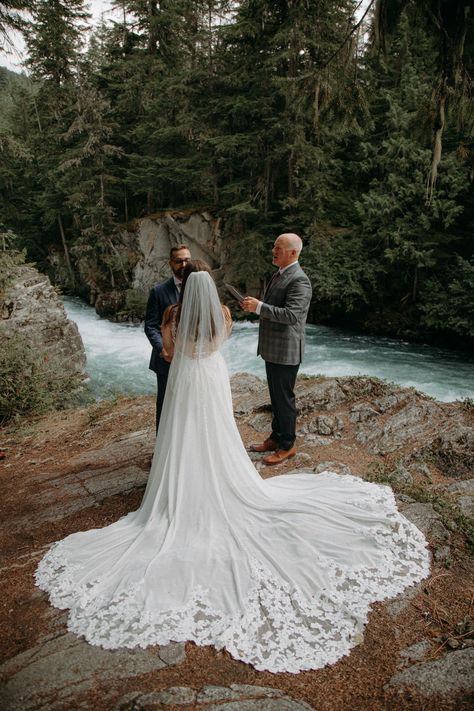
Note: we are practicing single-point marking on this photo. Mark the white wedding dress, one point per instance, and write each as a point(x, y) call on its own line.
point(280, 572)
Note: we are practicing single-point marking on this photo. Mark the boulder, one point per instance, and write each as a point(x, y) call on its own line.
point(448, 676)
point(31, 306)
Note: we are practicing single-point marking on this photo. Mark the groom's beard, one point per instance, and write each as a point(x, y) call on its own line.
point(178, 272)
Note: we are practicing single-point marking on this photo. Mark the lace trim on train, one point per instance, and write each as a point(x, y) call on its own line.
point(281, 630)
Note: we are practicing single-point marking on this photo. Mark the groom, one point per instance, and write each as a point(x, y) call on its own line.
point(281, 339)
point(161, 296)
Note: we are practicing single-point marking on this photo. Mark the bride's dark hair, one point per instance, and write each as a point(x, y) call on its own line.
point(194, 265)
point(200, 322)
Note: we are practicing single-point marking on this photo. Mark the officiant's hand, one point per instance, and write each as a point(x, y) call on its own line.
point(249, 304)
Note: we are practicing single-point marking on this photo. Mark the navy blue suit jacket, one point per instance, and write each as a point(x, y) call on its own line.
point(161, 296)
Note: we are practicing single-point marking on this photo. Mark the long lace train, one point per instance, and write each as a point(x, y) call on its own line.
point(280, 572)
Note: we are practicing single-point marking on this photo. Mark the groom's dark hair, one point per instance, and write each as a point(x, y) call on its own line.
point(177, 249)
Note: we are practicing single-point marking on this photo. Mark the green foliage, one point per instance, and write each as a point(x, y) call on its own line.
point(448, 303)
point(343, 273)
point(31, 381)
point(274, 115)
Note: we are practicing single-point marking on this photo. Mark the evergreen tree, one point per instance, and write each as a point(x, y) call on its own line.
point(54, 42)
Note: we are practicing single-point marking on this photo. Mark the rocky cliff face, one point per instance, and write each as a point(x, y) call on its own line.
point(155, 236)
point(141, 255)
point(31, 306)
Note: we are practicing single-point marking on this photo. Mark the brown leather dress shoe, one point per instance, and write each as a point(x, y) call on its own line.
point(268, 446)
point(280, 455)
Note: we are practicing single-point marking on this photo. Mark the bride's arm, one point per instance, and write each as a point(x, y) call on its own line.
point(167, 334)
point(227, 319)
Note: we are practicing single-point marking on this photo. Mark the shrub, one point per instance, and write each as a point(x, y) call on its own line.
point(31, 380)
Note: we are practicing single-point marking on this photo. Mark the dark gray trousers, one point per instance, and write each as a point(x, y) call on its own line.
point(161, 381)
point(281, 385)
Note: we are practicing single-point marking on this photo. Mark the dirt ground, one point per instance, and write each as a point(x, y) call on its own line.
point(355, 683)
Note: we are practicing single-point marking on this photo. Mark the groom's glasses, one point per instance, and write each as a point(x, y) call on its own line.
point(181, 261)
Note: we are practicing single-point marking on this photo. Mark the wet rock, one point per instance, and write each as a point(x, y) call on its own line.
point(109, 302)
point(450, 675)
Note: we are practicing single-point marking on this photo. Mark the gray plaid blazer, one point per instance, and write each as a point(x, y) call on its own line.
point(281, 335)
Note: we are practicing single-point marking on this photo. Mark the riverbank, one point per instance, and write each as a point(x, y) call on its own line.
point(79, 469)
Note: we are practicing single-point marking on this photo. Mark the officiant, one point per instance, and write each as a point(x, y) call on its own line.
point(282, 311)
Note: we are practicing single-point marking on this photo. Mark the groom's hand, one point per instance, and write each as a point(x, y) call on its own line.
point(249, 304)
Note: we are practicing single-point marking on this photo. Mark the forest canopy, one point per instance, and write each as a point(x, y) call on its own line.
point(278, 115)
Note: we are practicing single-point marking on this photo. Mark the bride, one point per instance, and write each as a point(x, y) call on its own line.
point(280, 572)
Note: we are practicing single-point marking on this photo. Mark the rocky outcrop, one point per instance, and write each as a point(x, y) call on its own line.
point(82, 469)
point(31, 307)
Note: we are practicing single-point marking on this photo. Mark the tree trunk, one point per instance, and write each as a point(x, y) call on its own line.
point(66, 251)
point(317, 90)
point(102, 191)
point(125, 203)
point(152, 33)
point(437, 144)
point(291, 167)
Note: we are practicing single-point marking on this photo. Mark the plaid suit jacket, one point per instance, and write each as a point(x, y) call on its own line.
point(281, 335)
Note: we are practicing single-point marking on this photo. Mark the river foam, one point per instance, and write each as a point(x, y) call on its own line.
point(118, 356)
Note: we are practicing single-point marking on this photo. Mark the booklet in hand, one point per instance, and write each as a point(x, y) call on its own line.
point(236, 294)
